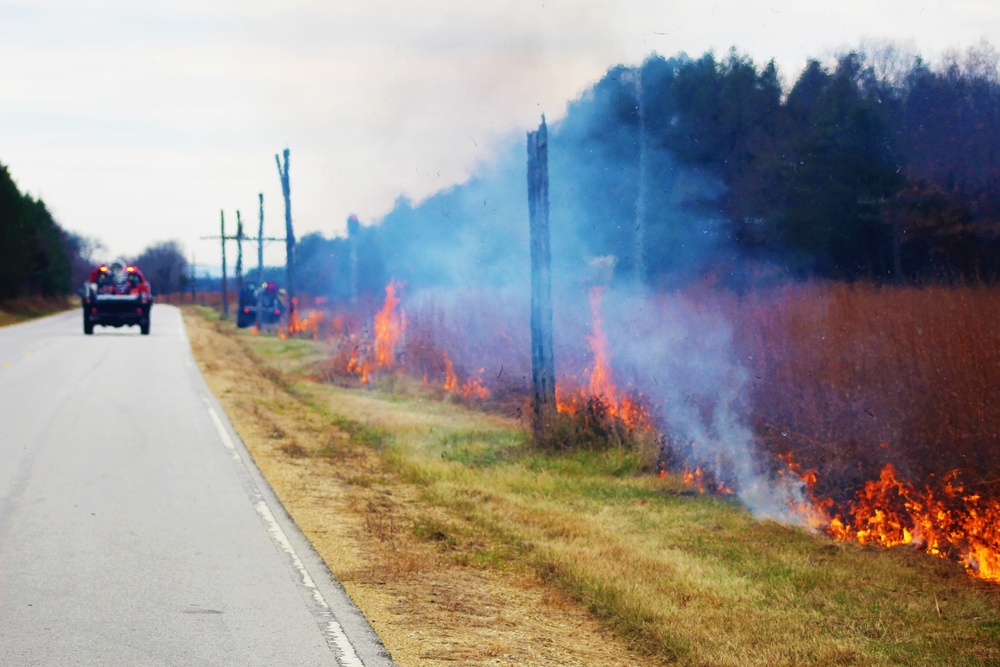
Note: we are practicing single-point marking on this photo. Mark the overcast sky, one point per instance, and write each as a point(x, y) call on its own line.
point(137, 121)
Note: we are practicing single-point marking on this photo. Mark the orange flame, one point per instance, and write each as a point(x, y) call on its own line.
point(601, 383)
point(390, 325)
point(695, 478)
point(310, 325)
point(702, 481)
point(359, 364)
point(298, 325)
point(944, 521)
point(472, 388)
point(450, 379)
point(293, 321)
point(601, 387)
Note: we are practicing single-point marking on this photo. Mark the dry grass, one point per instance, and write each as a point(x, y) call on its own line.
point(209, 299)
point(22, 309)
point(853, 377)
point(429, 581)
point(464, 546)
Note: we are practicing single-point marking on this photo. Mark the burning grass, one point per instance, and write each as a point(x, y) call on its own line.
point(689, 579)
point(819, 392)
point(855, 377)
point(886, 402)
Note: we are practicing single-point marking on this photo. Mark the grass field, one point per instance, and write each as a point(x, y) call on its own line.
point(682, 577)
point(858, 376)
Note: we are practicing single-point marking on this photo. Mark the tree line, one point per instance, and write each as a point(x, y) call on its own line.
point(876, 165)
point(40, 258)
point(36, 255)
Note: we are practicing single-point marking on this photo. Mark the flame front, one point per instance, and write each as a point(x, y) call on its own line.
point(942, 519)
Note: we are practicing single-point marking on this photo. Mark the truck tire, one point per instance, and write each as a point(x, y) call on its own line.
point(144, 327)
point(88, 326)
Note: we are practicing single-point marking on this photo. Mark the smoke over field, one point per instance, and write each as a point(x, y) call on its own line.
point(711, 240)
point(868, 413)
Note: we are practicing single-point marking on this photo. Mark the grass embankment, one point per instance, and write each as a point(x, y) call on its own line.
point(406, 489)
point(23, 309)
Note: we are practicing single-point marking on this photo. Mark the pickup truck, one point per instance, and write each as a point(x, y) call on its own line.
point(264, 297)
point(116, 295)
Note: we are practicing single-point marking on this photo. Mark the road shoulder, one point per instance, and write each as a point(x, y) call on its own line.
point(429, 604)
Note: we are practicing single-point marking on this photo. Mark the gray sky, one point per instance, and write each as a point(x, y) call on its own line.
point(138, 120)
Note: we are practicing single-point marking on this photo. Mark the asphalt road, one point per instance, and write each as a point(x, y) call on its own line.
point(134, 529)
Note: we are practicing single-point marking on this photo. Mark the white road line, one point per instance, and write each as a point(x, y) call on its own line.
point(188, 357)
point(333, 632)
point(223, 433)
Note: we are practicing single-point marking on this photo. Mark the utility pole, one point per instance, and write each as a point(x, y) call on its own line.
point(260, 255)
point(260, 242)
point(194, 289)
point(260, 258)
point(239, 238)
point(225, 288)
point(634, 76)
point(640, 204)
point(239, 254)
point(542, 355)
point(289, 233)
point(353, 232)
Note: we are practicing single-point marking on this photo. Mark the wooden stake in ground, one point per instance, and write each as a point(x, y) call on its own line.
point(542, 355)
point(289, 234)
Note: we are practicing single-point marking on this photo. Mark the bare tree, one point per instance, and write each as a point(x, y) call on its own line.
point(891, 61)
point(165, 266)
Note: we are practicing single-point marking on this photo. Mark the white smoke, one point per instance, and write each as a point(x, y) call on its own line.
point(678, 351)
